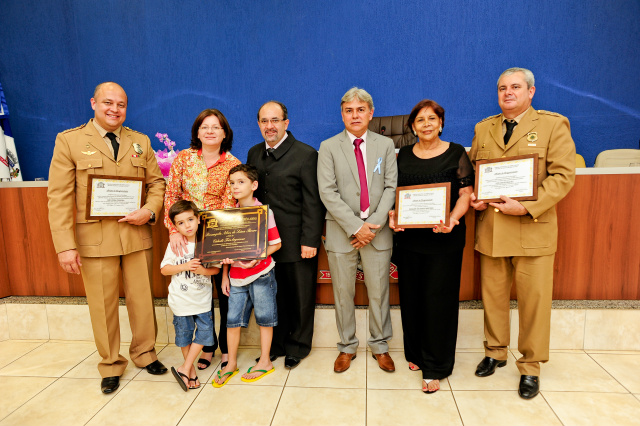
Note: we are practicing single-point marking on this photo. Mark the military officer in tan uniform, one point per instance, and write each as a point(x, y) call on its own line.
point(517, 240)
point(104, 250)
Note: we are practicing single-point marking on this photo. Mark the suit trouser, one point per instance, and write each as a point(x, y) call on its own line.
point(375, 265)
point(533, 278)
point(296, 300)
point(100, 276)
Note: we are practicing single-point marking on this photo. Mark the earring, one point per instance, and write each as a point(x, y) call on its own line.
point(414, 133)
point(440, 129)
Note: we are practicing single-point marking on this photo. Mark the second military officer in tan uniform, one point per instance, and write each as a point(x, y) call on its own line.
point(517, 240)
point(104, 250)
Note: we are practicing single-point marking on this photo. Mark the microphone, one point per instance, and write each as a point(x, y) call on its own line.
point(382, 130)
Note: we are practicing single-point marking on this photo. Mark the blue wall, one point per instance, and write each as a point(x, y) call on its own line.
point(176, 58)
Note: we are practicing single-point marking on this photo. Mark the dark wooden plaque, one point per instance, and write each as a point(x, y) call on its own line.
point(238, 233)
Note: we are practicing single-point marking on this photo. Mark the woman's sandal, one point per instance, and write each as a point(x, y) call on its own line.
point(413, 367)
point(425, 386)
point(206, 362)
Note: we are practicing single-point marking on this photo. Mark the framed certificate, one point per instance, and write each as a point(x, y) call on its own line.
point(239, 233)
point(423, 206)
point(113, 197)
point(516, 177)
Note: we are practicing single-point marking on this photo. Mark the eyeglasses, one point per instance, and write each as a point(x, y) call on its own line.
point(274, 121)
point(207, 128)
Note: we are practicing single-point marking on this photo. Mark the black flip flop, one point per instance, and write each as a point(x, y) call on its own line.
point(194, 380)
point(178, 375)
point(205, 362)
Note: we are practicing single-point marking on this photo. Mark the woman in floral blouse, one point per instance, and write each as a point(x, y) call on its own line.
point(201, 174)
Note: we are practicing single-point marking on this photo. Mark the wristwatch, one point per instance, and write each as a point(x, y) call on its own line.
point(153, 216)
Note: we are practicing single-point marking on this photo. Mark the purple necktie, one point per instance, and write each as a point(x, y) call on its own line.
point(364, 190)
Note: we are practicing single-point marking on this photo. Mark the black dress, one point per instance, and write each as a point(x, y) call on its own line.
point(429, 266)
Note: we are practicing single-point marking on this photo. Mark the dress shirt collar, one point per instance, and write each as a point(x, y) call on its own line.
point(353, 138)
point(103, 132)
point(286, 135)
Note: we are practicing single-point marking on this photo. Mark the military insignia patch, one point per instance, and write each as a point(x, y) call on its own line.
point(532, 136)
point(137, 148)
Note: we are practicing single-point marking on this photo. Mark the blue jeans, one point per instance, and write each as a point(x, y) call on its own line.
point(259, 295)
point(202, 324)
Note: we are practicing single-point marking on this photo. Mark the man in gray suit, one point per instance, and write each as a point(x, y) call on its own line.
point(357, 177)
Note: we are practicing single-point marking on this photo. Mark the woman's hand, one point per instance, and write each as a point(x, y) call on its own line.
point(442, 229)
point(178, 244)
point(392, 221)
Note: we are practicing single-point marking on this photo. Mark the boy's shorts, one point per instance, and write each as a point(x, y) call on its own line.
point(259, 295)
point(202, 324)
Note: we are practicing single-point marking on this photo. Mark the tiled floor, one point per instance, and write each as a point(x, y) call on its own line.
point(51, 382)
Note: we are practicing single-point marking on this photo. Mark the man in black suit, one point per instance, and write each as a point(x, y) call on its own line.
point(288, 184)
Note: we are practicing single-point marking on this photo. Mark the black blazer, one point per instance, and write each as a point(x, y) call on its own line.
point(288, 183)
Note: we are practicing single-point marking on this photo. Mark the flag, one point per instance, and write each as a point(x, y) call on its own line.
point(9, 166)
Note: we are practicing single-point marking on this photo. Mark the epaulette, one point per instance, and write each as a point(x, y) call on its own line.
point(488, 118)
point(75, 128)
point(555, 114)
point(134, 131)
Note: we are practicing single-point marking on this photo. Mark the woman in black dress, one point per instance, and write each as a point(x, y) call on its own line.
point(429, 260)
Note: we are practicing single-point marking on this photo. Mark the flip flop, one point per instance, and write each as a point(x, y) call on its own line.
point(425, 386)
point(264, 373)
point(195, 379)
point(220, 376)
point(205, 362)
point(413, 367)
point(178, 375)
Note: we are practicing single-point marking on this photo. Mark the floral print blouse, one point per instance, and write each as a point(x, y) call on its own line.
point(191, 180)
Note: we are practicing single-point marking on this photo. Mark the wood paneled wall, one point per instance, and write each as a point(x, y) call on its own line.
point(598, 254)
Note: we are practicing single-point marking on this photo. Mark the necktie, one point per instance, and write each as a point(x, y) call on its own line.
point(362, 174)
point(114, 144)
point(270, 151)
point(510, 126)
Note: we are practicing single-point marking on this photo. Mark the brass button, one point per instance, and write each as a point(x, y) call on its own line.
point(535, 220)
point(496, 210)
point(118, 163)
point(503, 156)
point(88, 165)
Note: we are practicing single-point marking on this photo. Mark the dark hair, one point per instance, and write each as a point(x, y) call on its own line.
point(247, 169)
point(182, 206)
point(425, 103)
point(285, 114)
point(196, 143)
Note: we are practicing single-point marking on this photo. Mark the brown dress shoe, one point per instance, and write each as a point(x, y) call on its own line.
point(385, 362)
point(343, 362)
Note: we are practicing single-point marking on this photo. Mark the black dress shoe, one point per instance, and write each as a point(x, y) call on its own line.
point(488, 366)
point(271, 358)
point(291, 362)
point(110, 384)
point(529, 386)
point(156, 368)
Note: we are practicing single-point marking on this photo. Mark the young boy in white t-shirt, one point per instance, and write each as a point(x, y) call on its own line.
point(190, 294)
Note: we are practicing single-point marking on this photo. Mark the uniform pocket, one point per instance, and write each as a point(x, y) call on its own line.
point(89, 234)
point(140, 165)
point(87, 167)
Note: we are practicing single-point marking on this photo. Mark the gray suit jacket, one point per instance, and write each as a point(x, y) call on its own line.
point(339, 187)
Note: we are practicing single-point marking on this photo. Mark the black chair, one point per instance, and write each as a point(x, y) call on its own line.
point(394, 127)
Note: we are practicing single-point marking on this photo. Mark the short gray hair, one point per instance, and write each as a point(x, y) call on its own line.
point(357, 93)
point(528, 75)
